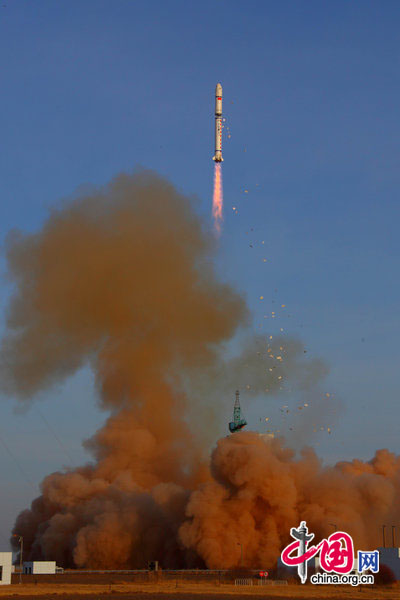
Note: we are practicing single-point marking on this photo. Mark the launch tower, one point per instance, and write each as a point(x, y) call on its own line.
point(238, 421)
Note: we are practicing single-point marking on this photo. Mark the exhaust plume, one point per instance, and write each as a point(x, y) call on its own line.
point(218, 200)
point(120, 279)
point(260, 489)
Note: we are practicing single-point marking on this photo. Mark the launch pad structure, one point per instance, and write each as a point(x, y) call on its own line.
point(238, 420)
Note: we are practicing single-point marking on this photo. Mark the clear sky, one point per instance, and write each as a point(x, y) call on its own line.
point(311, 95)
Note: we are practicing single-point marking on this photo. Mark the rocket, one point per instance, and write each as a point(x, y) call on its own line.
point(218, 124)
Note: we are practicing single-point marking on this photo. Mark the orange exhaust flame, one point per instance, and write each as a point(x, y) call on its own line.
point(218, 199)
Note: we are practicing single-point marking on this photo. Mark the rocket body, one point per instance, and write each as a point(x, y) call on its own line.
point(218, 124)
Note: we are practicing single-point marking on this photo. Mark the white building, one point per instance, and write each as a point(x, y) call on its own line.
point(5, 568)
point(40, 567)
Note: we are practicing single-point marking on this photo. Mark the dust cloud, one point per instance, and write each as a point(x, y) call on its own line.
point(121, 279)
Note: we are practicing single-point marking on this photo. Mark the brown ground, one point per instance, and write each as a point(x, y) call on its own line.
point(114, 586)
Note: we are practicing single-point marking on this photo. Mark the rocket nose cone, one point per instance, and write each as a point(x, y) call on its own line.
point(218, 90)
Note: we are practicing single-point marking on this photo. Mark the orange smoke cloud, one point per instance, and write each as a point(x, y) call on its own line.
point(260, 490)
point(120, 280)
point(218, 199)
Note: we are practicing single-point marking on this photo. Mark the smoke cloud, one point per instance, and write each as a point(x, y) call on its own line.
point(260, 489)
point(121, 279)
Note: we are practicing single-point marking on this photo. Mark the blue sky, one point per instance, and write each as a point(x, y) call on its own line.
point(311, 95)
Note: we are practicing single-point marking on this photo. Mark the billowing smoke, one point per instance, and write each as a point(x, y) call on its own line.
point(260, 489)
point(121, 279)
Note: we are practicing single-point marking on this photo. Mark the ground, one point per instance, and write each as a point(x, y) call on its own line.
point(96, 586)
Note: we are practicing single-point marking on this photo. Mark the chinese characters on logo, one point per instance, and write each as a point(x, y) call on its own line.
point(336, 554)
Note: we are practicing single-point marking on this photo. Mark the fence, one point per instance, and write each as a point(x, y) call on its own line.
point(201, 576)
point(243, 582)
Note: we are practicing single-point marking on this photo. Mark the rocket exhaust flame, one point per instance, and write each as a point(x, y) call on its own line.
point(217, 198)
